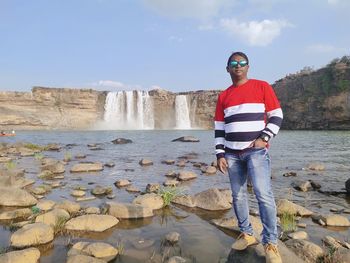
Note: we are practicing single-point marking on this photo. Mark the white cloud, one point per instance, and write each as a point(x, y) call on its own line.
point(254, 33)
point(200, 9)
point(324, 48)
point(114, 85)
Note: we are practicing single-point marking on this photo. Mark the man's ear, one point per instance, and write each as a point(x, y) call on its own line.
point(227, 69)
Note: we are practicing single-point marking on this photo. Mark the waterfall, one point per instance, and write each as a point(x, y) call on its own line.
point(128, 110)
point(182, 114)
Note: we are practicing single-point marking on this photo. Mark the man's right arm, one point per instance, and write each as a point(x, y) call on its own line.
point(220, 135)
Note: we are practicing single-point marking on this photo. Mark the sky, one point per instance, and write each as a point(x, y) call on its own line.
point(180, 45)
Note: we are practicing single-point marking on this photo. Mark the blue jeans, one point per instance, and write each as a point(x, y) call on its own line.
point(255, 163)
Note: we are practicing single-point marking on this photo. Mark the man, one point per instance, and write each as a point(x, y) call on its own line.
point(248, 115)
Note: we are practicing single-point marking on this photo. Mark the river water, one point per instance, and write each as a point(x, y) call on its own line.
point(290, 151)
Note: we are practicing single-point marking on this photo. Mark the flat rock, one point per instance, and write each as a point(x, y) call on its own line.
point(69, 206)
point(122, 183)
point(145, 162)
point(83, 259)
point(15, 214)
point(98, 250)
point(128, 211)
point(45, 205)
point(53, 217)
point(121, 141)
point(187, 175)
point(86, 167)
point(212, 199)
point(151, 200)
point(232, 223)
point(94, 223)
point(28, 255)
point(185, 200)
point(336, 220)
point(304, 249)
point(285, 206)
point(11, 196)
point(186, 139)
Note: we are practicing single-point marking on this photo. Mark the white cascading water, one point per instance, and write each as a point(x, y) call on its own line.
point(128, 110)
point(182, 114)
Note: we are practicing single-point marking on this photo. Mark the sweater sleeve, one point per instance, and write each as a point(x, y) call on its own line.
point(219, 129)
point(273, 111)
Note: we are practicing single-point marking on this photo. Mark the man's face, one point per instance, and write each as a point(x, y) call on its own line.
point(237, 67)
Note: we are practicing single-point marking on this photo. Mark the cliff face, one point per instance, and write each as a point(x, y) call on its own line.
point(317, 99)
point(50, 108)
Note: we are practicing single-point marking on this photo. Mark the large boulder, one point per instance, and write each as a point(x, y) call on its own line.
point(94, 223)
point(32, 235)
point(16, 214)
point(11, 196)
point(306, 250)
point(212, 199)
point(28, 255)
point(128, 211)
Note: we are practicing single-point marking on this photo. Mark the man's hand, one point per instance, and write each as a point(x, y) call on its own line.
point(259, 143)
point(222, 165)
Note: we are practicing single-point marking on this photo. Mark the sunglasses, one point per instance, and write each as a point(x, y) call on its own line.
point(242, 63)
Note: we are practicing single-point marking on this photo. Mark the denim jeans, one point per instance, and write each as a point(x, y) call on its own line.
point(255, 163)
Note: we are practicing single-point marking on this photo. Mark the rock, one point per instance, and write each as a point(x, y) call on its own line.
point(347, 186)
point(336, 220)
point(28, 255)
point(54, 217)
point(171, 183)
point(98, 250)
point(41, 190)
point(302, 225)
point(172, 174)
point(16, 214)
point(84, 259)
point(56, 168)
point(285, 206)
point(331, 242)
point(186, 175)
point(298, 235)
point(10, 196)
point(99, 190)
point(94, 223)
point(86, 167)
point(290, 174)
point(110, 164)
point(132, 189)
point(92, 210)
point(4, 159)
point(176, 259)
point(46, 175)
point(80, 156)
point(142, 243)
point(168, 162)
point(77, 193)
point(232, 223)
point(151, 200)
point(121, 141)
point(302, 186)
point(211, 199)
point(152, 188)
point(304, 249)
point(14, 181)
point(186, 139)
point(181, 163)
point(210, 170)
point(316, 167)
point(45, 205)
point(122, 183)
point(85, 198)
point(185, 200)
point(53, 147)
point(128, 211)
point(69, 206)
point(172, 237)
point(32, 235)
point(145, 162)
point(315, 185)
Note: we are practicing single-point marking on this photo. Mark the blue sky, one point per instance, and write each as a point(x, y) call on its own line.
point(177, 45)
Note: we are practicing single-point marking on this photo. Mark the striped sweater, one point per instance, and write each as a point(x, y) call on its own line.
point(243, 113)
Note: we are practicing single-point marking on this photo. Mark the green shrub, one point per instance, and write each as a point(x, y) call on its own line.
point(288, 222)
point(169, 193)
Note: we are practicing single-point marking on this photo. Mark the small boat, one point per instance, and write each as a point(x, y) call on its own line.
point(7, 134)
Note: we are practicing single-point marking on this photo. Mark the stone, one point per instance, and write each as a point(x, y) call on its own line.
point(16, 214)
point(171, 183)
point(110, 164)
point(98, 250)
point(316, 167)
point(176, 259)
point(298, 235)
point(185, 200)
point(151, 200)
point(172, 174)
point(285, 206)
point(69, 206)
point(83, 259)
point(303, 186)
point(56, 168)
point(28, 255)
point(172, 237)
point(53, 217)
point(186, 175)
point(304, 249)
point(211, 199)
point(210, 170)
point(145, 162)
point(99, 190)
point(331, 242)
point(77, 193)
point(347, 186)
point(132, 189)
point(152, 188)
point(14, 181)
point(45, 205)
point(168, 162)
point(289, 174)
point(94, 223)
point(92, 210)
point(10, 196)
point(128, 211)
point(122, 183)
point(232, 223)
point(181, 163)
point(32, 235)
point(86, 167)
point(186, 139)
point(85, 198)
point(336, 220)
point(121, 141)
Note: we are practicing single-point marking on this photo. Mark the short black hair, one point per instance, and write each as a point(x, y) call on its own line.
point(238, 53)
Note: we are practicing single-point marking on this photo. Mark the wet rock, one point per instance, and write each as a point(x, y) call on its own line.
point(45, 205)
point(98, 250)
point(97, 148)
point(111, 196)
point(210, 170)
point(152, 188)
point(80, 156)
point(315, 185)
point(132, 189)
point(289, 174)
point(285, 206)
point(32, 235)
point(186, 139)
point(14, 172)
point(122, 183)
point(77, 193)
point(185, 200)
point(86, 167)
point(181, 163)
point(94, 223)
point(304, 249)
point(56, 167)
point(110, 164)
point(87, 198)
point(5, 159)
point(336, 220)
point(172, 174)
point(302, 225)
point(298, 235)
point(168, 162)
point(121, 141)
point(172, 237)
point(92, 210)
point(53, 217)
point(128, 211)
point(186, 175)
point(16, 214)
point(171, 183)
point(177, 259)
point(46, 175)
point(232, 223)
point(211, 199)
point(99, 190)
point(41, 190)
point(53, 147)
point(14, 181)
point(69, 206)
point(145, 162)
point(331, 242)
point(254, 212)
point(315, 167)
point(303, 186)
point(25, 152)
point(10, 196)
point(84, 259)
point(151, 200)
point(142, 243)
point(347, 186)
point(28, 255)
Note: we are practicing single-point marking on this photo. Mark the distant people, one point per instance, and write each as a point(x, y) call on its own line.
point(241, 136)
point(2, 132)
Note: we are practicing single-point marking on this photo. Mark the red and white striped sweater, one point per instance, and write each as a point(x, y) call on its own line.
point(243, 113)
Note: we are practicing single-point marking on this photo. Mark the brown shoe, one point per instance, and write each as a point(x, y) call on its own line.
point(272, 254)
point(243, 241)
